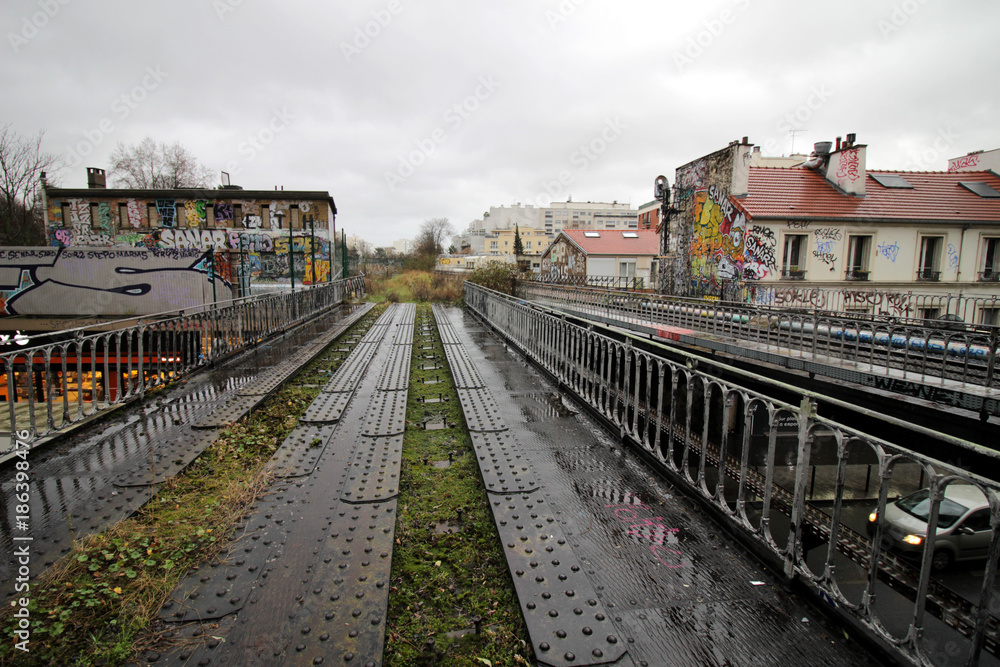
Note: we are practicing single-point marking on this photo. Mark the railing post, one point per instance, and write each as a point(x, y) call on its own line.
point(807, 410)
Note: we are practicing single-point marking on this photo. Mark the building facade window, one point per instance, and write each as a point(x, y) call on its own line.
point(626, 269)
point(793, 265)
point(859, 250)
point(930, 258)
point(990, 316)
point(991, 260)
point(95, 218)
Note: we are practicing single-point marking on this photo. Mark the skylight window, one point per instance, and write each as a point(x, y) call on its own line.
point(592, 235)
point(892, 181)
point(630, 235)
point(982, 189)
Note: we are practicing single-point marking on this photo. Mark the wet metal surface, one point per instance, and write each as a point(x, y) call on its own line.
point(320, 545)
point(300, 451)
point(668, 587)
point(328, 407)
point(98, 476)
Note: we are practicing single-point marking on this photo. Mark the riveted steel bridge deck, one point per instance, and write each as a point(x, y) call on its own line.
point(610, 564)
point(103, 474)
point(306, 582)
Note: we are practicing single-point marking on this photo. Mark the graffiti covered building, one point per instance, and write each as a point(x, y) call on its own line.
point(232, 236)
point(831, 233)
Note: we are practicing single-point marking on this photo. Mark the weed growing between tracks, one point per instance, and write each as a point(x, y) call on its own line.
point(97, 604)
point(442, 580)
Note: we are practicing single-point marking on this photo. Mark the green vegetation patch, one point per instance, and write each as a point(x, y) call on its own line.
point(449, 574)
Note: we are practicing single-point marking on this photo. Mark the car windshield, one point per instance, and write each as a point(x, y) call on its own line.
point(918, 505)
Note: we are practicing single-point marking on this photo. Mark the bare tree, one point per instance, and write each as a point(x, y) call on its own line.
point(433, 232)
point(22, 162)
point(149, 165)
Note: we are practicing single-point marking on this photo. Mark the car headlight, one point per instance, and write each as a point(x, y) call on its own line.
point(915, 540)
point(873, 517)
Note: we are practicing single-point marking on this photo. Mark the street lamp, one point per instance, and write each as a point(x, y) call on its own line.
point(661, 190)
point(312, 247)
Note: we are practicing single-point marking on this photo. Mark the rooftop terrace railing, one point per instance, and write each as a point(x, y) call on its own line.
point(915, 349)
point(86, 371)
point(757, 461)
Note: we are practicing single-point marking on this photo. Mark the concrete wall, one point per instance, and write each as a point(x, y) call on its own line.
point(108, 282)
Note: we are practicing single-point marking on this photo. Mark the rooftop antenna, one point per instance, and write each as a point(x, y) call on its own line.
point(792, 132)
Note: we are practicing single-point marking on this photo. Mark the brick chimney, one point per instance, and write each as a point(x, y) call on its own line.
point(845, 167)
point(96, 178)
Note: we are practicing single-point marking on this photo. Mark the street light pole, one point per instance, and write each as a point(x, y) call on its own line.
point(291, 259)
point(312, 247)
point(661, 190)
point(211, 254)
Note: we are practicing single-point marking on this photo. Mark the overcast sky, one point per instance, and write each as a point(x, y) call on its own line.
point(407, 110)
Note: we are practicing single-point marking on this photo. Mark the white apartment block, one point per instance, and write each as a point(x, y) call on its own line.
point(552, 219)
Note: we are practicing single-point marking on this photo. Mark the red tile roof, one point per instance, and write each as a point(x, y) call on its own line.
point(804, 193)
point(612, 242)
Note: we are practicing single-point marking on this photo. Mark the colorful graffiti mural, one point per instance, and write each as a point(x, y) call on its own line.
point(107, 281)
point(563, 260)
point(724, 247)
point(240, 237)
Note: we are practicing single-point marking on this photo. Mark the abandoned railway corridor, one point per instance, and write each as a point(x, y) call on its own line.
point(492, 485)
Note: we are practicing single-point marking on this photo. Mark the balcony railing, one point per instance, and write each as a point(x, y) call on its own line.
point(928, 275)
point(856, 275)
point(793, 274)
point(989, 276)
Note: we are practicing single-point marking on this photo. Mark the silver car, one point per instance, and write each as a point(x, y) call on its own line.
point(963, 531)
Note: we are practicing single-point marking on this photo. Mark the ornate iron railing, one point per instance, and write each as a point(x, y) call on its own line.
point(755, 460)
point(627, 284)
point(86, 371)
point(881, 345)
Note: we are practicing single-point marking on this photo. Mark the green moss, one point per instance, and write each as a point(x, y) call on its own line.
point(441, 581)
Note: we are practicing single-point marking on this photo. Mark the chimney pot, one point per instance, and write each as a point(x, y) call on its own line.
point(96, 178)
point(838, 143)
